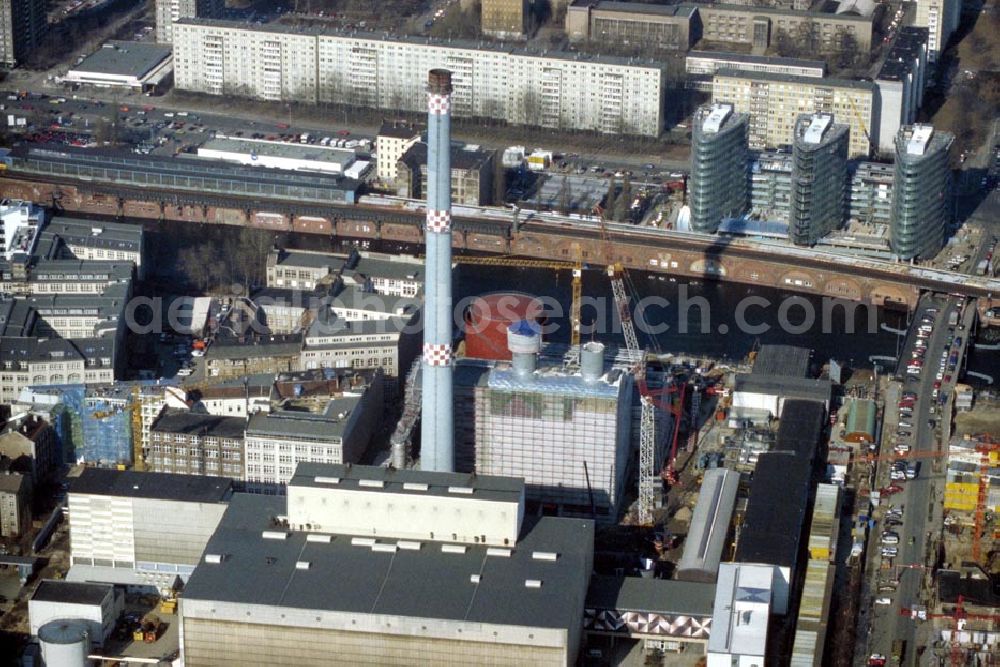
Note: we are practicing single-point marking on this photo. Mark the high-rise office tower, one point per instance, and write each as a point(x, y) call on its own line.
point(920, 192)
point(818, 198)
point(437, 424)
point(718, 184)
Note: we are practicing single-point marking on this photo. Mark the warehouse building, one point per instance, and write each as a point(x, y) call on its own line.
point(278, 155)
point(552, 89)
point(706, 540)
point(143, 530)
point(718, 183)
point(920, 192)
point(744, 601)
point(861, 416)
point(780, 373)
point(773, 538)
point(140, 67)
point(767, 98)
point(99, 605)
point(818, 197)
point(462, 578)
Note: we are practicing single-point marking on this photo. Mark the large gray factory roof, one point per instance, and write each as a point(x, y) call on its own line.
point(484, 487)
point(661, 596)
point(709, 526)
point(421, 583)
point(162, 485)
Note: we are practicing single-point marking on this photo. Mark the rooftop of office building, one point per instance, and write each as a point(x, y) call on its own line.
point(192, 423)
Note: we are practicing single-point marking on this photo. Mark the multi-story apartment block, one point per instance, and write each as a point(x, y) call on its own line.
point(569, 91)
point(940, 17)
point(15, 501)
point(633, 24)
point(275, 353)
point(189, 443)
point(389, 344)
point(391, 142)
point(339, 432)
point(505, 19)
point(170, 11)
point(818, 202)
point(760, 26)
point(771, 184)
point(774, 101)
point(901, 81)
point(99, 241)
point(82, 316)
point(920, 192)
point(32, 444)
point(40, 361)
point(22, 26)
point(700, 66)
point(718, 181)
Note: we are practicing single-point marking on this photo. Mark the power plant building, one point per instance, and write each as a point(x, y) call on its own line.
point(920, 192)
point(566, 431)
point(461, 577)
point(818, 202)
point(553, 89)
point(718, 166)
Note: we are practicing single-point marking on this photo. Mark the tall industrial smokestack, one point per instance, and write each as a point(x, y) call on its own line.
point(437, 446)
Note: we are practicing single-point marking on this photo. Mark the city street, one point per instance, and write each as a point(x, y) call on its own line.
point(920, 500)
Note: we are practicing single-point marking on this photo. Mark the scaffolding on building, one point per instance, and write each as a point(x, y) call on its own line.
point(401, 441)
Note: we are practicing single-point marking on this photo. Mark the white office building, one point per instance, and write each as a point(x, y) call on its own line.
point(558, 90)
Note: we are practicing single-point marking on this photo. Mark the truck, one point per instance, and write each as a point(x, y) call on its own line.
point(953, 318)
point(304, 138)
point(898, 651)
point(539, 161)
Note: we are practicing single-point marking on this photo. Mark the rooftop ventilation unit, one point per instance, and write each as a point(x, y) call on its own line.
point(467, 490)
point(371, 483)
point(544, 555)
point(496, 551)
point(453, 548)
point(384, 548)
point(475, 578)
point(532, 583)
point(274, 535)
point(215, 559)
point(327, 480)
point(415, 486)
point(302, 565)
point(313, 537)
point(362, 541)
point(408, 545)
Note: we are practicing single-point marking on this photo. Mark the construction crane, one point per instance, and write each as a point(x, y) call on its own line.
point(575, 267)
point(959, 616)
point(861, 122)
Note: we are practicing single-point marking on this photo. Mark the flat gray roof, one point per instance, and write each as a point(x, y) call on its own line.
point(785, 387)
point(313, 426)
point(125, 58)
point(338, 156)
point(421, 583)
point(661, 596)
point(789, 78)
point(175, 420)
point(484, 487)
point(162, 485)
point(71, 592)
point(782, 360)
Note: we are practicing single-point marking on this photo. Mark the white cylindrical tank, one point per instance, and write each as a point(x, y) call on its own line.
point(64, 643)
point(524, 343)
